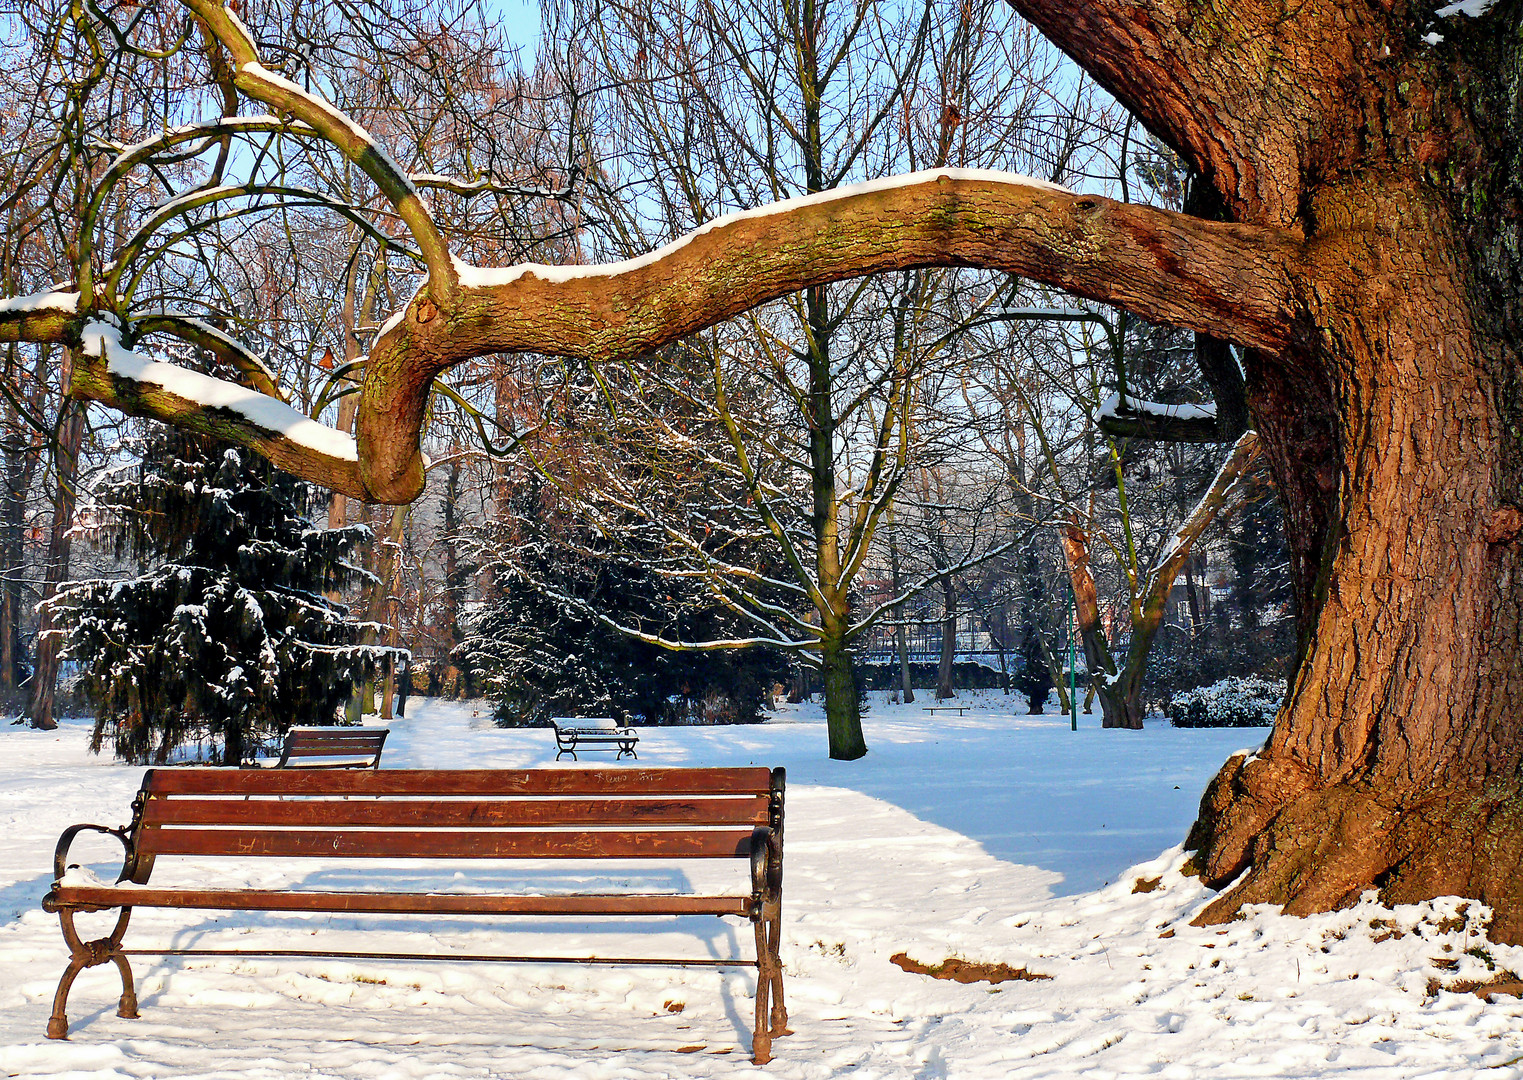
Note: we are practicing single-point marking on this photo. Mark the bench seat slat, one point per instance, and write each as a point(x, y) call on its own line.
point(401, 903)
point(426, 782)
point(309, 743)
point(448, 844)
point(434, 813)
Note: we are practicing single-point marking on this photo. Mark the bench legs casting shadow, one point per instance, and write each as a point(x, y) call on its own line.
point(771, 1022)
point(187, 812)
point(86, 954)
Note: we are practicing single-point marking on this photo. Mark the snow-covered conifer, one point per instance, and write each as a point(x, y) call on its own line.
point(228, 632)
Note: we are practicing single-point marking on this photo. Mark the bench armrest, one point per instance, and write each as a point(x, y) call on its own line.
point(61, 852)
point(766, 868)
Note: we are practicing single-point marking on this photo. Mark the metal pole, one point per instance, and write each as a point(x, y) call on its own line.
point(1073, 701)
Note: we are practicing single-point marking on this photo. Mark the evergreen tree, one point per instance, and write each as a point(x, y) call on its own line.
point(544, 651)
point(228, 633)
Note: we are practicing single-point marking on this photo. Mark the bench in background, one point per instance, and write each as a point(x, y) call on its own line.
point(573, 733)
point(332, 748)
point(312, 817)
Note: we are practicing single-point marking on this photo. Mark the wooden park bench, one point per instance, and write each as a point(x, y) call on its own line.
point(958, 709)
point(332, 748)
point(593, 733)
point(309, 818)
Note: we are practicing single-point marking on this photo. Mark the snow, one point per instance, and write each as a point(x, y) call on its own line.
point(318, 105)
point(1474, 8)
point(994, 837)
point(66, 302)
point(1111, 406)
point(475, 277)
point(104, 340)
point(1054, 313)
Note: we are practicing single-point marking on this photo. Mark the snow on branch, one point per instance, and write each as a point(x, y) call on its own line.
point(40, 317)
point(1230, 280)
point(485, 185)
point(1155, 410)
point(330, 122)
point(1130, 417)
point(64, 303)
point(108, 371)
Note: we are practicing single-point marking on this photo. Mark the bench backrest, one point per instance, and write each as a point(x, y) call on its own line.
point(454, 814)
point(333, 748)
point(586, 723)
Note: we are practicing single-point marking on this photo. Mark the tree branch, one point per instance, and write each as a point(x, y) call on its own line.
point(356, 144)
point(1235, 282)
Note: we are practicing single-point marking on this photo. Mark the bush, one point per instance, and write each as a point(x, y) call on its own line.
point(1232, 702)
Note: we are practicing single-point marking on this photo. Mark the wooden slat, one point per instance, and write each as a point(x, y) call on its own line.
point(317, 749)
point(435, 813)
point(448, 844)
point(330, 749)
point(426, 782)
point(401, 903)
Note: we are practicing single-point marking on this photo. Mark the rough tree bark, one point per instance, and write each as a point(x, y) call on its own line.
point(1391, 420)
point(944, 685)
point(1370, 266)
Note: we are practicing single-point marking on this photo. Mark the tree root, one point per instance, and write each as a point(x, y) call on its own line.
point(1265, 826)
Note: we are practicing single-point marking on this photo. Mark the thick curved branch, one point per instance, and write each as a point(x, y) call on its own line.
point(224, 347)
point(1235, 282)
point(105, 370)
point(353, 141)
point(50, 317)
point(1254, 93)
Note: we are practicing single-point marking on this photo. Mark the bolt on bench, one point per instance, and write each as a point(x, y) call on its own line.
point(323, 814)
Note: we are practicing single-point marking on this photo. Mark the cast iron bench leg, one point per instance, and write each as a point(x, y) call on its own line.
point(84, 954)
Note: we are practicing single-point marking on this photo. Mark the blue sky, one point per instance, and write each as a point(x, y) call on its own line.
point(520, 19)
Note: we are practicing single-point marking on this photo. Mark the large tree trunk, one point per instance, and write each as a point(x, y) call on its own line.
point(944, 687)
point(21, 462)
point(1394, 764)
point(1116, 711)
point(901, 645)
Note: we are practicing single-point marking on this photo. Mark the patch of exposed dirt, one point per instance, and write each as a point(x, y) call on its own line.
point(1503, 982)
point(967, 971)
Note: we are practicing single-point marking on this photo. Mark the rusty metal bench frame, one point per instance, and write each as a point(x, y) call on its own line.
point(568, 734)
point(579, 814)
point(332, 748)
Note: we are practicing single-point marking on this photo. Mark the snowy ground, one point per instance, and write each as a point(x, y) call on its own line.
point(994, 837)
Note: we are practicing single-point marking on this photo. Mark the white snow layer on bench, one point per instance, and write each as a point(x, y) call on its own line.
point(475, 277)
point(104, 340)
point(1111, 406)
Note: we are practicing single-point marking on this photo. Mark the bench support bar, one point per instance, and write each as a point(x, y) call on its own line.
point(485, 958)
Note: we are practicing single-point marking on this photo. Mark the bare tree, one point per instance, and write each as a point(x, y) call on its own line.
point(1368, 178)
